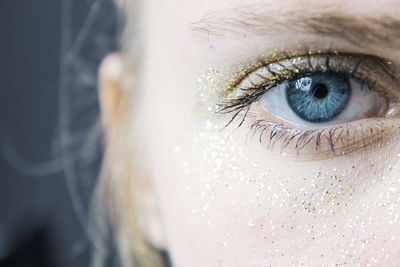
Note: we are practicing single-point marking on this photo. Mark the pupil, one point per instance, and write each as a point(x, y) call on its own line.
point(319, 91)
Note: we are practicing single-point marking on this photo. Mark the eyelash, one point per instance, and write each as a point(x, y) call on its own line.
point(278, 132)
point(301, 138)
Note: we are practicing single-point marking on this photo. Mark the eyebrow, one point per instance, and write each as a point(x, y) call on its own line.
point(356, 29)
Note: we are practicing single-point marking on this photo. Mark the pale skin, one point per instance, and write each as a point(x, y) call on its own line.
point(227, 200)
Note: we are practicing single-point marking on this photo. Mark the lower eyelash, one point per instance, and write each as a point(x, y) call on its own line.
point(274, 133)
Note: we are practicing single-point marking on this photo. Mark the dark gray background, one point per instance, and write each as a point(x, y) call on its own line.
point(38, 224)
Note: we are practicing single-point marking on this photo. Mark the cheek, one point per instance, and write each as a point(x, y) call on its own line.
point(227, 200)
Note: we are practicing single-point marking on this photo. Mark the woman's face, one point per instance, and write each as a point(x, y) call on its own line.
point(307, 173)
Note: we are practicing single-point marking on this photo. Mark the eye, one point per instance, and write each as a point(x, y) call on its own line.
point(319, 99)
point(317, 103)
point(320, 96)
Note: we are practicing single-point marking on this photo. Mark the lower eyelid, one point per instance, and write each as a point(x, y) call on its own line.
point(324, 143)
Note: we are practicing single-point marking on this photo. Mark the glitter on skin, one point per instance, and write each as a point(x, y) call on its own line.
point(333, 212)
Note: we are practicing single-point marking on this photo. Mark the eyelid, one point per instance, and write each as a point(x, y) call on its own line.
point(372, 71)
point(323, 143)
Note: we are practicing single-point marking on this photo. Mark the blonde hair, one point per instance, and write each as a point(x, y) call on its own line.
point(121, 164)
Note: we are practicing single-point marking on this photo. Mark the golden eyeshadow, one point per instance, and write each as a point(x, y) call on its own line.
point(264, 72)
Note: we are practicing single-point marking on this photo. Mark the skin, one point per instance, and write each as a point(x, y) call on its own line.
point(227, 200)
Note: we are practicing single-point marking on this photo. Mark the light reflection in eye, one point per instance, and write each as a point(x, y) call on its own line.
point(310, 100)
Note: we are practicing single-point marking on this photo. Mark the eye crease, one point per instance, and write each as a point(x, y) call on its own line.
point(330, 102)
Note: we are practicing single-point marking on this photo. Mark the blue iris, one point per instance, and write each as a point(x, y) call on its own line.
point(319, 96)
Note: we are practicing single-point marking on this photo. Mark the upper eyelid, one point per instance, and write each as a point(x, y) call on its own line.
point(318, 61)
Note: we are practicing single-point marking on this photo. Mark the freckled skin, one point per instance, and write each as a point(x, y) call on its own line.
point(228, 200)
